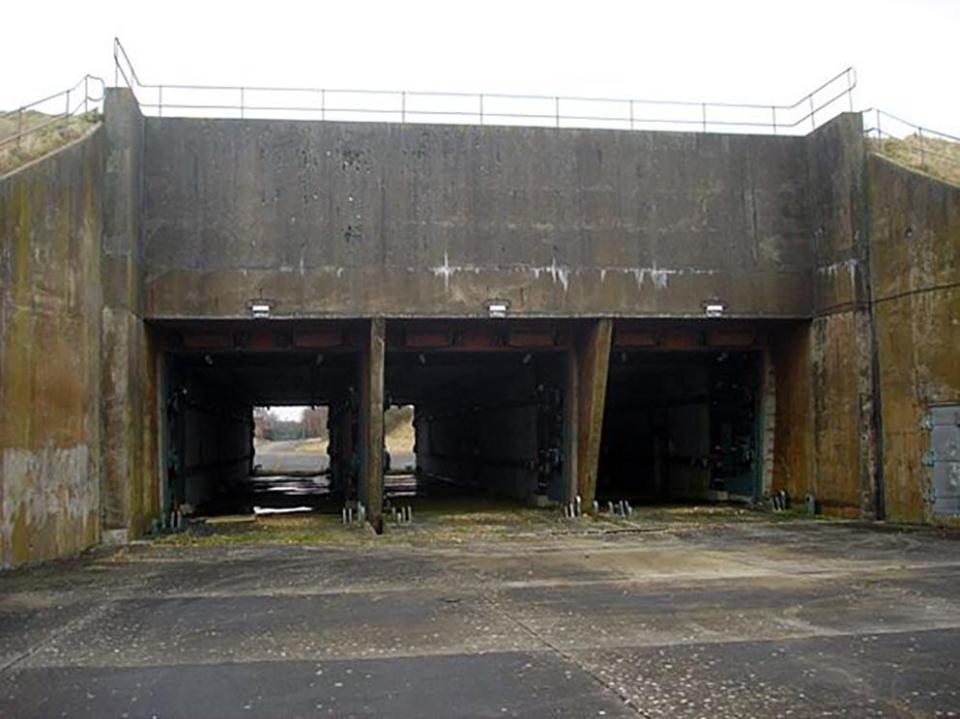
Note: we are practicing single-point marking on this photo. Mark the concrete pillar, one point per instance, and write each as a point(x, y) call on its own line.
point(129, 492)
point(593, 362)
point(371, 421)
point(571, 415)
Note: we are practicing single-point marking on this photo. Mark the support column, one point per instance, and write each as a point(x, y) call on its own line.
point(371, 422)
point(571, 415)
point(129, 483)
point(593, 362)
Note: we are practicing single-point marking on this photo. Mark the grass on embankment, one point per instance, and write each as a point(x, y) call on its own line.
point(37, 144)
point(935, 157)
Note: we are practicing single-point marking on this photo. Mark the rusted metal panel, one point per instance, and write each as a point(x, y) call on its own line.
point(676, 339)
point(208, 340)
point(318, 339)
point(731, 337)
point(531, 338)
point(625, 337)
point(425, 339)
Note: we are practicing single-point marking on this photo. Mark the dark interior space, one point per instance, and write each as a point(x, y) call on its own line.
point(680, 426)
point(211, 466)
point(487, 423)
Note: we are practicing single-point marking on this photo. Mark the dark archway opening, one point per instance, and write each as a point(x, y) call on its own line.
point(681, 426)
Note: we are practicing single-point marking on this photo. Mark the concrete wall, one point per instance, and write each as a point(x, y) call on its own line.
point(914, 230)
point(129, 370)
point(50, 296)
point(341, 219)
point(216, 445)
point(841, 345)
point(793, 445)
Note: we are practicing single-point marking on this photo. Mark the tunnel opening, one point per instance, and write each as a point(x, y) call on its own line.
point(681, 426)
point(236, 426)
point(488, 424)
point(290, 440)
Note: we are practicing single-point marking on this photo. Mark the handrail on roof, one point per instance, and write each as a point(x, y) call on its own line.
point(81, 96)
point(484, 106)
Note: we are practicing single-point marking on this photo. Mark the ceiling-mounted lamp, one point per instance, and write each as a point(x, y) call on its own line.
point(497, 309)
point(714, 308)
point(260, 308)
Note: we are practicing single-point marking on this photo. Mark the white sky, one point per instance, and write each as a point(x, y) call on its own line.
point(289, 414)
point(735, 50)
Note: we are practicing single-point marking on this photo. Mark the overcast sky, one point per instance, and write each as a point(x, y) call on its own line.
point(730, 50)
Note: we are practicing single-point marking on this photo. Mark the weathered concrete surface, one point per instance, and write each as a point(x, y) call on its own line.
point(129, 417)
point(721, 620)
point(341, 219)
point(793, 452)
point(915, 260)
point(372, 361)
point(593, 362)
point(842, 343)
point(50, 227)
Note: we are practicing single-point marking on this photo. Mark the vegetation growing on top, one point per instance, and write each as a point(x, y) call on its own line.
point(36, 144)
point(934, 156)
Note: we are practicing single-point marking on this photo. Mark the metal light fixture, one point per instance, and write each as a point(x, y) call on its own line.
point(497, 309)
point(714, 308)
point(260, 308)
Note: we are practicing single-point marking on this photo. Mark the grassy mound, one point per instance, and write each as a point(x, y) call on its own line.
point(936, 157)
point(36, 144)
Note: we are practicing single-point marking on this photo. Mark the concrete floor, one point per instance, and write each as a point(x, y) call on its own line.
point(652, 618)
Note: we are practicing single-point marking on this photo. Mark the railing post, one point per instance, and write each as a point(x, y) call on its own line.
point(631, 114)
point(323, 105)
point(556, 110)
point(86, 94)
point(66, 112)
point(403, 106)
point(773, 108)
point(160, 101)
point(850, 88)
point(481, 109)
point(813, 122)
point(242, 103)
point(703, 109)
point(19, 125)
point(923, 157)
point(879, 133)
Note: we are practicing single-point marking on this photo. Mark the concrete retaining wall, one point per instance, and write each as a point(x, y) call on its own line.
point(50, 228)
point(914, 230)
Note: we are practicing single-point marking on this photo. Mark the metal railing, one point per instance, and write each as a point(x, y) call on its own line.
point(483, 108)
point(914, 143)
point(83, 97)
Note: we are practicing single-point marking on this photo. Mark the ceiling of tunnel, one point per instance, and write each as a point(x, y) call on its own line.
point(275, 378)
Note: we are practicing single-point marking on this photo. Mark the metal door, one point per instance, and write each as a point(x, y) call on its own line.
point(945, 458)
